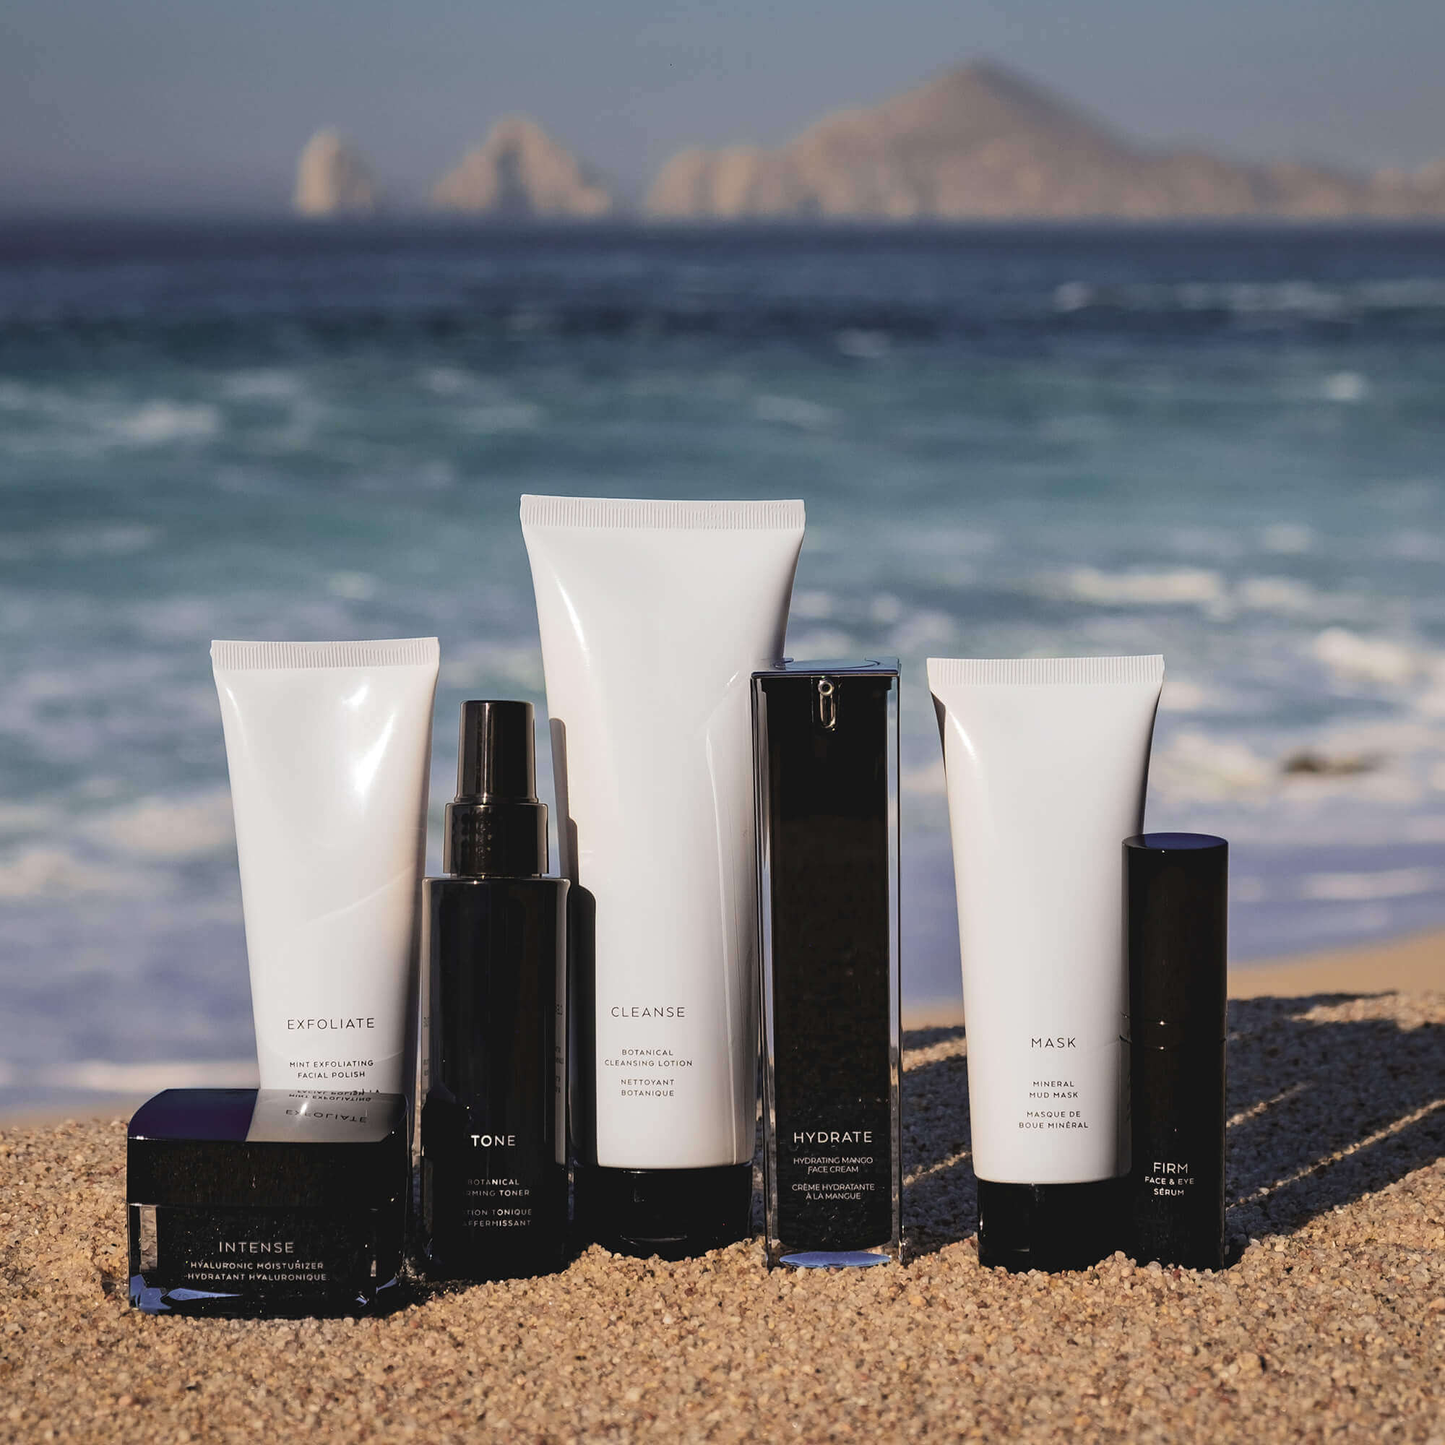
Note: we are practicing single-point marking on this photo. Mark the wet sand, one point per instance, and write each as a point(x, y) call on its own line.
point(1329, 1324)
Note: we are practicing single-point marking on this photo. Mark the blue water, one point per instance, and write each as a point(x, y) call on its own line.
point(1225, 445)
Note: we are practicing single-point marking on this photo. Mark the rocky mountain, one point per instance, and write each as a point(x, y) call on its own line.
point(982, 143)
point(332, 179)
point(518, 172)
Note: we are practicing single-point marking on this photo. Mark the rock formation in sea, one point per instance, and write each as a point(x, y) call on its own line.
point(980, 142)
point(332, 179)
point(520, 172)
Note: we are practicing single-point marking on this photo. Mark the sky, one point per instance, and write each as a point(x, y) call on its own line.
point(203, 105)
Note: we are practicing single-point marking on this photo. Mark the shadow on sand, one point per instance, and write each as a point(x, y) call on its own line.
point(1330, 1097)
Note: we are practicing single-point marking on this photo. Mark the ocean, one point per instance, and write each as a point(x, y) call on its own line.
point(1223, 444)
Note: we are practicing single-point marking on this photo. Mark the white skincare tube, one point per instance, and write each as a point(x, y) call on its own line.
point(1046, 763)
point(653, 616)
point(329, 747)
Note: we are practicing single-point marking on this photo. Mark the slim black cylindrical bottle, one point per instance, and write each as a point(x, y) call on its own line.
point(825, 759)
point(1176, 889)
point(494, 1176)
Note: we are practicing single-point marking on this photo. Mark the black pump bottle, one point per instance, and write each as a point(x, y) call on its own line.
point(494, 1176)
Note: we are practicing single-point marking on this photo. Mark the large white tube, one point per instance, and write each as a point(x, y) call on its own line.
point(329, 746)
point(1046, 763)
point(653, 616)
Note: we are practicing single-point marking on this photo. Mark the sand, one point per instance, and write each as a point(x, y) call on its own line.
point(1329, 1324)
point(1415, 964)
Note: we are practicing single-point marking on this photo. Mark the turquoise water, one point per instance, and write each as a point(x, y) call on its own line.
point(1225, 445)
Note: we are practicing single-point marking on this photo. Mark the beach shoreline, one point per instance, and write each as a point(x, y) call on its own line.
point(1327, 1322)
point(1413, 964)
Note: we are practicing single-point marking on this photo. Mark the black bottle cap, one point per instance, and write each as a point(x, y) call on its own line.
point(496, 828)
point(1176, 904)
point(1049, 1226)
point(673, 1213)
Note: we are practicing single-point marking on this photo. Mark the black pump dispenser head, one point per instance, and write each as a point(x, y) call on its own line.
point(496, 828)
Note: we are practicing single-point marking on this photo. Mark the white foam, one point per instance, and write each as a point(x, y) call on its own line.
point(353, 586)
point(173, 828)
point(46, 871)
point(1424, 830)
point(1288, 538)
point(470, 664)
point(1282, 595)
point(1073, 296)
point(820, 644)
point(1431, 701)
point(923, 631)
point(1198, 768)
point(1182, 695)
point(1345, 386)
point(263, 384)
point(98, 1076)
point(863, 345)
point(814, 606)
point(1382, 737)
point(1183, 585)
point(794, 411)
point(177, 618)
point(1389, 757)
point(1298, 297)
point(159, 423)
point(1353, 658)
point(448, 380)
point(1367, 887)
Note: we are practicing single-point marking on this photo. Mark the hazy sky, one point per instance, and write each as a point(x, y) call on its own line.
point(189, 104)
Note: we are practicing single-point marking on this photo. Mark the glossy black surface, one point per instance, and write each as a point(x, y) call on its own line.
point(290, 1206)
point(494, 938)
point(828, 978)
point(1176, 889)
point(671, 1213)
point(1177, 1141)
point(494, 1184)
point(197, 1147)
point(267, 1263)
point(1049, 1226)
point(495, 827)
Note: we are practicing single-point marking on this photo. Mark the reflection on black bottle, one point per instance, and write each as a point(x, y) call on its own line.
point(1176, 923)
point(825, 758)
point(494, 1175)
point(582, 1024)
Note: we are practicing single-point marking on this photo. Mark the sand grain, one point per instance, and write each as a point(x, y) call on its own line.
point(1330, 1325)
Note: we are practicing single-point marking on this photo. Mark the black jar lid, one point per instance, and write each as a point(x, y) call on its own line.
point(1176, 906)
point(268, 1148)
point(1048, 1227)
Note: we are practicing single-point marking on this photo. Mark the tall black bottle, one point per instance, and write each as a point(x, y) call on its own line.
point(494, 1176)
point(1176, 902)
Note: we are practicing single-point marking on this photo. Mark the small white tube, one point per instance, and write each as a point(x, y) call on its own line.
point(1046, 763)
point(653, 616)
point(329, 747)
